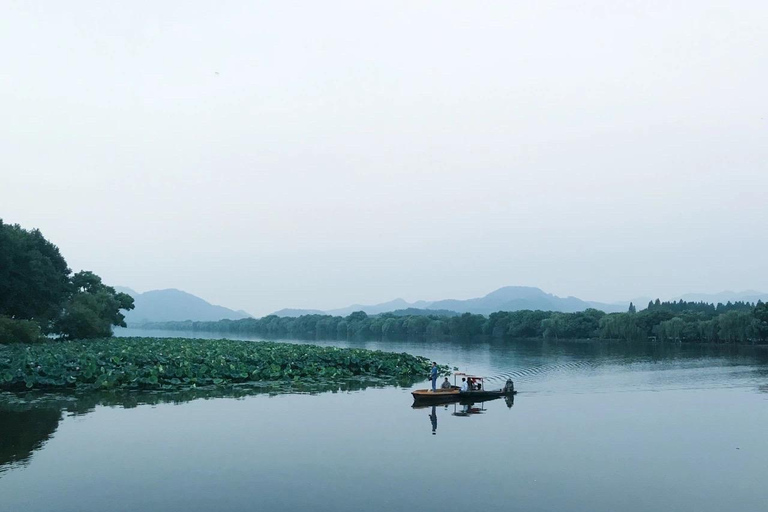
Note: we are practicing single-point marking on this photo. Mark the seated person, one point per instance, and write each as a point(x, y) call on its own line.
point(445, 384)
point(464, 386)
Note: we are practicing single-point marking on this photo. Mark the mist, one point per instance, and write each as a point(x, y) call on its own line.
point(314, 155)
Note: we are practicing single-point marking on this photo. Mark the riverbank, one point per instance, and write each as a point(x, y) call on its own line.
point(178, 363)
point(731, 324)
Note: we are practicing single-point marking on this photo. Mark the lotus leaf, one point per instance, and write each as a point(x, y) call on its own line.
point(166, 363)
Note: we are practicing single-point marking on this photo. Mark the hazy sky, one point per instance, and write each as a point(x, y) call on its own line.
point(315, 154)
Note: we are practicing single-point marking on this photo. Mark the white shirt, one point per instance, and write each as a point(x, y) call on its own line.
point(464, 386)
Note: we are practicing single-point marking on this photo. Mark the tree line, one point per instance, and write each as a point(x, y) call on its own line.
point(41, 297)
point(664, 321)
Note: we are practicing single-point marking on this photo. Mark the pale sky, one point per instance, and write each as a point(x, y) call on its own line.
point(315, 154)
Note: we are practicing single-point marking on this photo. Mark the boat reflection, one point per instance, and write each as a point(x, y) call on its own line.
point(462, 408)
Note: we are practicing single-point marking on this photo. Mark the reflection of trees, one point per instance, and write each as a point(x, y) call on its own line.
point(28, 420)
point(24, 431)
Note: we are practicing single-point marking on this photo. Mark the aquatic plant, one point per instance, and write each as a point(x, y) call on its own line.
point(169, 363)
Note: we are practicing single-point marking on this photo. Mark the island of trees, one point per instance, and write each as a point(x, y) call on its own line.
point(699, 322)
point(40, 297)
point(56, 332)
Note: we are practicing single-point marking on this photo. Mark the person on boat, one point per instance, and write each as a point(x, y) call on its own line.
point(445, 384)
point(464, 386)
point(509, 387)
point(433, 376)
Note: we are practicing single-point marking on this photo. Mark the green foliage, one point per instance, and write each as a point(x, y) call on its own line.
point(761, 320)
point(92, 309)
point(35, 286)
point(620, 326)
point(670, 330)
point(34, 277)
point(166, 363)
point(554, 326)
point(710, 310)
point(19, 331)
point(734, 325)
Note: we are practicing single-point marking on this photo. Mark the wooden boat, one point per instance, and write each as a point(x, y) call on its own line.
point(454, 394)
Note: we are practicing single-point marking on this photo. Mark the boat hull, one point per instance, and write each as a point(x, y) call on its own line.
point(426, 396)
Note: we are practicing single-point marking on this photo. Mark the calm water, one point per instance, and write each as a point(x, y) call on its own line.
point(594, 428)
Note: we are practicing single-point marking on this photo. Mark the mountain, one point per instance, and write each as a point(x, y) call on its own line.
point(174, 305)
point(515, 298)
point(509, 298)
point(293, 313)
point(375, 309)
point(423, 312)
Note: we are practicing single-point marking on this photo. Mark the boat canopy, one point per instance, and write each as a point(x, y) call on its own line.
point(466, 375)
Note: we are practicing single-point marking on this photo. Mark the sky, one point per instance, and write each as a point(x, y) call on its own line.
point(311, 154)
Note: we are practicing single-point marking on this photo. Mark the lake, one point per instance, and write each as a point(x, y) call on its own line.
point(595, 427)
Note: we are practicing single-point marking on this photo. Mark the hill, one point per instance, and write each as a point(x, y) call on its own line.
point(508, 298)
point(423, 312)
point(173, 305)
point(294, 313)
point(374, 309)
point(516, 298)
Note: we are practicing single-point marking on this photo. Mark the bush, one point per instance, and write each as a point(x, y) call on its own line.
point(19, 331)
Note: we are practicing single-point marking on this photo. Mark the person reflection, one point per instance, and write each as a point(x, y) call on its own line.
point(510, 400)
point(433, 419)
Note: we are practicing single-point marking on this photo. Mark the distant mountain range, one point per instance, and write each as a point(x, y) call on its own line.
point(173, 305)
point(515, 298)
point(509, 298)
point(176, 305)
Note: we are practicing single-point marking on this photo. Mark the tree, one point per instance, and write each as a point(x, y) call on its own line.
point(554, 326)
point(760, 313)
point(19, 331)
point(621, 326)
point(357, 316)
point(632, 308)
point(92, 309)
point(670, 329)
point(761, 320)
point(735, 326)
point(34, 277)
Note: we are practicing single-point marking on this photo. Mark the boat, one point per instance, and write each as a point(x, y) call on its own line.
point(477, 392)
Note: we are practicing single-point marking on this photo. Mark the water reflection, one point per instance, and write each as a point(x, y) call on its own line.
point(593, 418)
point(29, 420)
point(461, 408)
point(433, 419)
point(468, 409)
point(22, 432)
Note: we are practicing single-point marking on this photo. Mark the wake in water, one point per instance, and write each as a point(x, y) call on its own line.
point(534, 372)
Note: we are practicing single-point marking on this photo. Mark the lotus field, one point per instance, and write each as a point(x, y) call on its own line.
point(171, 363)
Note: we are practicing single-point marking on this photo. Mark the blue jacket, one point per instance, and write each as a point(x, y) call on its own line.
point(433, 373)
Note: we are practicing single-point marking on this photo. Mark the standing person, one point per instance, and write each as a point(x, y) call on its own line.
point(464, 386)
point(433, 376)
